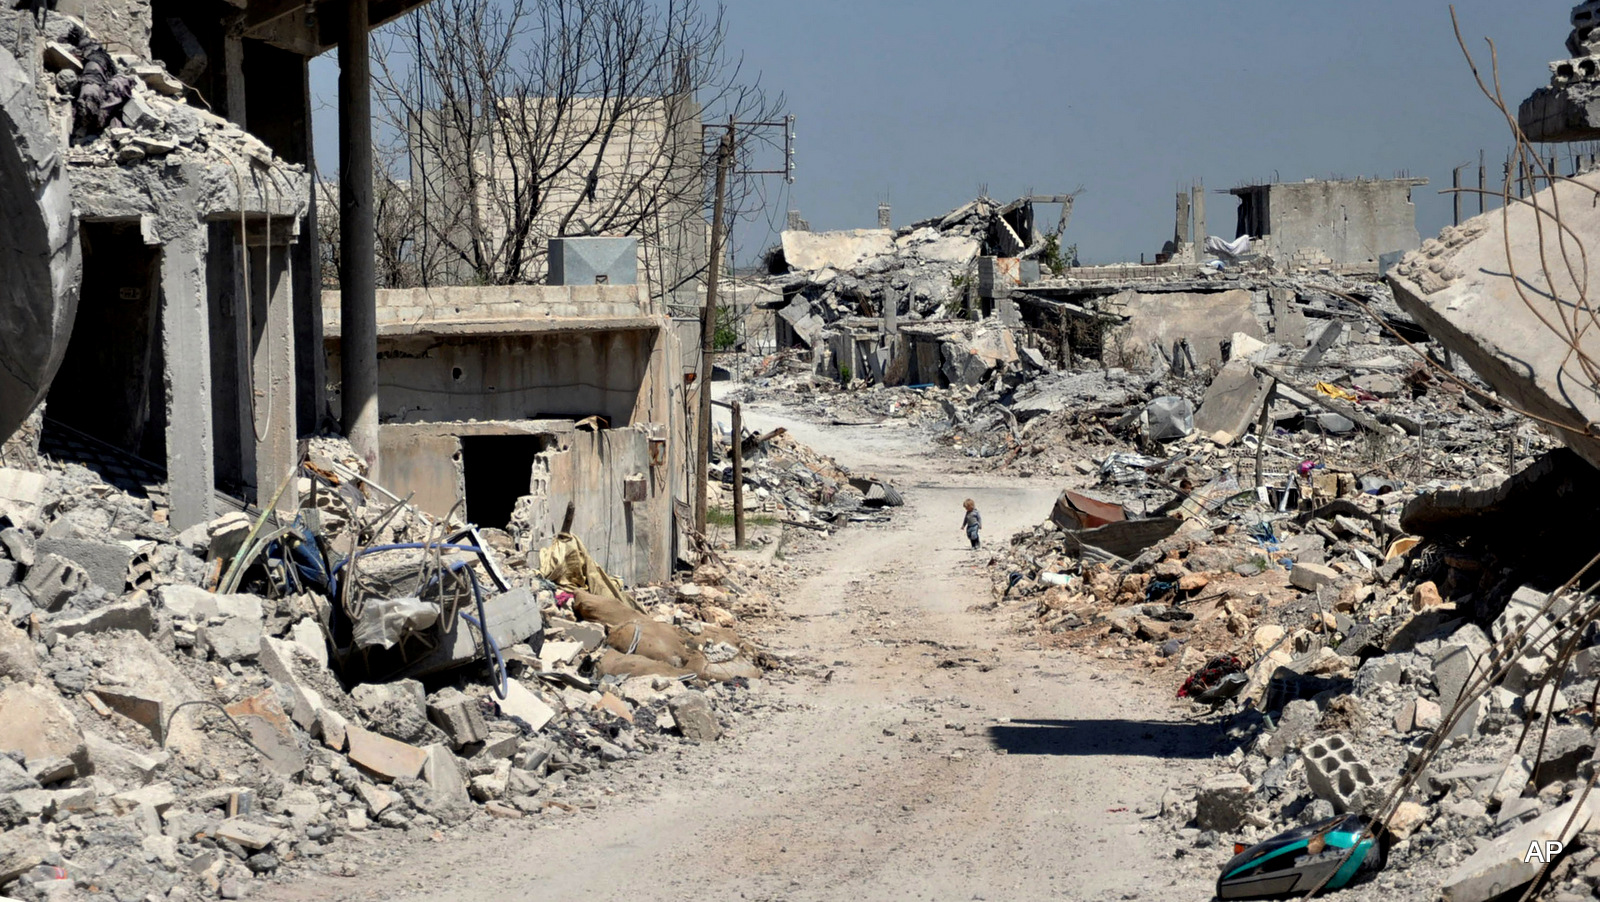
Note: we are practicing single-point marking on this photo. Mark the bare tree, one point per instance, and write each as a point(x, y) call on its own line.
point(523, 120)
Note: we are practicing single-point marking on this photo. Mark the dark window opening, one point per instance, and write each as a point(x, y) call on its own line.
point(497, 470)
point(109, 387)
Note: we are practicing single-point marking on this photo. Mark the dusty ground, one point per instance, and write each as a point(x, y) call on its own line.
point(933, 755)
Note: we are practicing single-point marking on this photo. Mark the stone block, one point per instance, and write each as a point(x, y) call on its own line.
point(1311, 577)
point(1417, 714)
point(1232, 402)
point(1503, 864)
point(397, 709)
point(458, 716)
point(234, 632)
point(21, 493)
point(21, 850)
point(226, 535)
point(36, 722)
point(1336, 774)
point(104, 562)
point(447, 787)
point(1222, 802)
point(18, 658)
point(1458, 663)
point(53, 580)
point(384, 758)
point(249, 835)
point(525, 706)
point(696, 720)
point(159, 796)
point(19, 545)
point(1425, 597)
point(132, 614)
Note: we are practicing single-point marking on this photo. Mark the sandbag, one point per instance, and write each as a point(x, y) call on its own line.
point(599, 609)
point(615, 663)
point(653, 640)
point(728, 670)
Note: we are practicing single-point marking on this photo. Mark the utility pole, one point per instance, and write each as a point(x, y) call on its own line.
point(358, 387)
point(738, 477)
point(708, 328)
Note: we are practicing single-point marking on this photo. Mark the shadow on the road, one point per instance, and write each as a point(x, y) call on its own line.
point(1155, 739)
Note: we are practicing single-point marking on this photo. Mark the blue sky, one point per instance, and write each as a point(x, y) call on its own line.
point(925, 103)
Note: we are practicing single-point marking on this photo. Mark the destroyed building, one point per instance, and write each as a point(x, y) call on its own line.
point(567, 396)
point(1316, 224)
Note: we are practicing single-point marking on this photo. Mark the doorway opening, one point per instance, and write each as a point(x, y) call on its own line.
point(497, 470)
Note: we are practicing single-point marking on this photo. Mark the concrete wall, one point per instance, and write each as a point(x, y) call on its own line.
point(1205, 319)
point(511, 377)
point(496, 303)
point(1339, 224)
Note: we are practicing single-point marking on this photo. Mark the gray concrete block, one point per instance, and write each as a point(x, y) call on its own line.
point(105, 563)
point(1222, 802)
point(1336, 774)
point(133, 614)
point(53, 580)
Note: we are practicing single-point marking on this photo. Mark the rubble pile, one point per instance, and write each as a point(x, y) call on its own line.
point(921, 270)
point(120, 109)
point(184, 713)
point(792, 484)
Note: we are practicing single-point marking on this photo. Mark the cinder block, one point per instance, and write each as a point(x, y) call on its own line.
point(1336, 774)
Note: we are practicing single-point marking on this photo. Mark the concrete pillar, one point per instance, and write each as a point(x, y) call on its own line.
point(358, 314)
point(186, 350)
point(311, 375)
point(1181, 236)
point(891, 312)
point(883, 216)
point(1200, 222)
point(233, 75)
point(272, 364)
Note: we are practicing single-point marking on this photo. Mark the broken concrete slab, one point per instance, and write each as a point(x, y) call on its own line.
point(133, 614)
point(1223, 802)
point(842, 250)
point(1231, 404)
point(1483, 291)
point(696, 720)
point(36, 722)
point(1205, 320)
point(18, 658)
point(249, 835)
point(234, 632)
point(1504, 863)
point(40, 255)
point(446, 785)
point(397, 709)
point(524, 705)
point(53, 580)
point(513, 617)
point(1311, 577)
point(104, 562)
point(458, 716)
point(21, 850)
point(385, 758)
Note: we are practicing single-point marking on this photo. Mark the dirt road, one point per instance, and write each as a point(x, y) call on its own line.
point(942, 758)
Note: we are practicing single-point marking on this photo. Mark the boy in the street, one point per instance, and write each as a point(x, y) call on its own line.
point(972, 522)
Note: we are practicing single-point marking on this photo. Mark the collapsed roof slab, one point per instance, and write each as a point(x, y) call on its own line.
point(1525, 321)
point(39, 253)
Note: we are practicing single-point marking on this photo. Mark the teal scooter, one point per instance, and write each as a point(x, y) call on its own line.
point(1298, 861)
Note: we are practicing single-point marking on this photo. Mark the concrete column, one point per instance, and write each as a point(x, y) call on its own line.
point(311, 375)
point(1200, 222)
point(358, 314)
point(273, 363)
point(1181, 236)
point(186, 350)
point(233, 74)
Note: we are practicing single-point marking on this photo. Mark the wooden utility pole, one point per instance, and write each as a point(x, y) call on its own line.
point(738, 477)
point(708, 328)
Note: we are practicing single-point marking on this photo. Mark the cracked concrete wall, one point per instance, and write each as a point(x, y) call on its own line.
point(39, 253)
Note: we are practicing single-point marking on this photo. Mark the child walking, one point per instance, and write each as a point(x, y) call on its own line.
point(972, 522)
